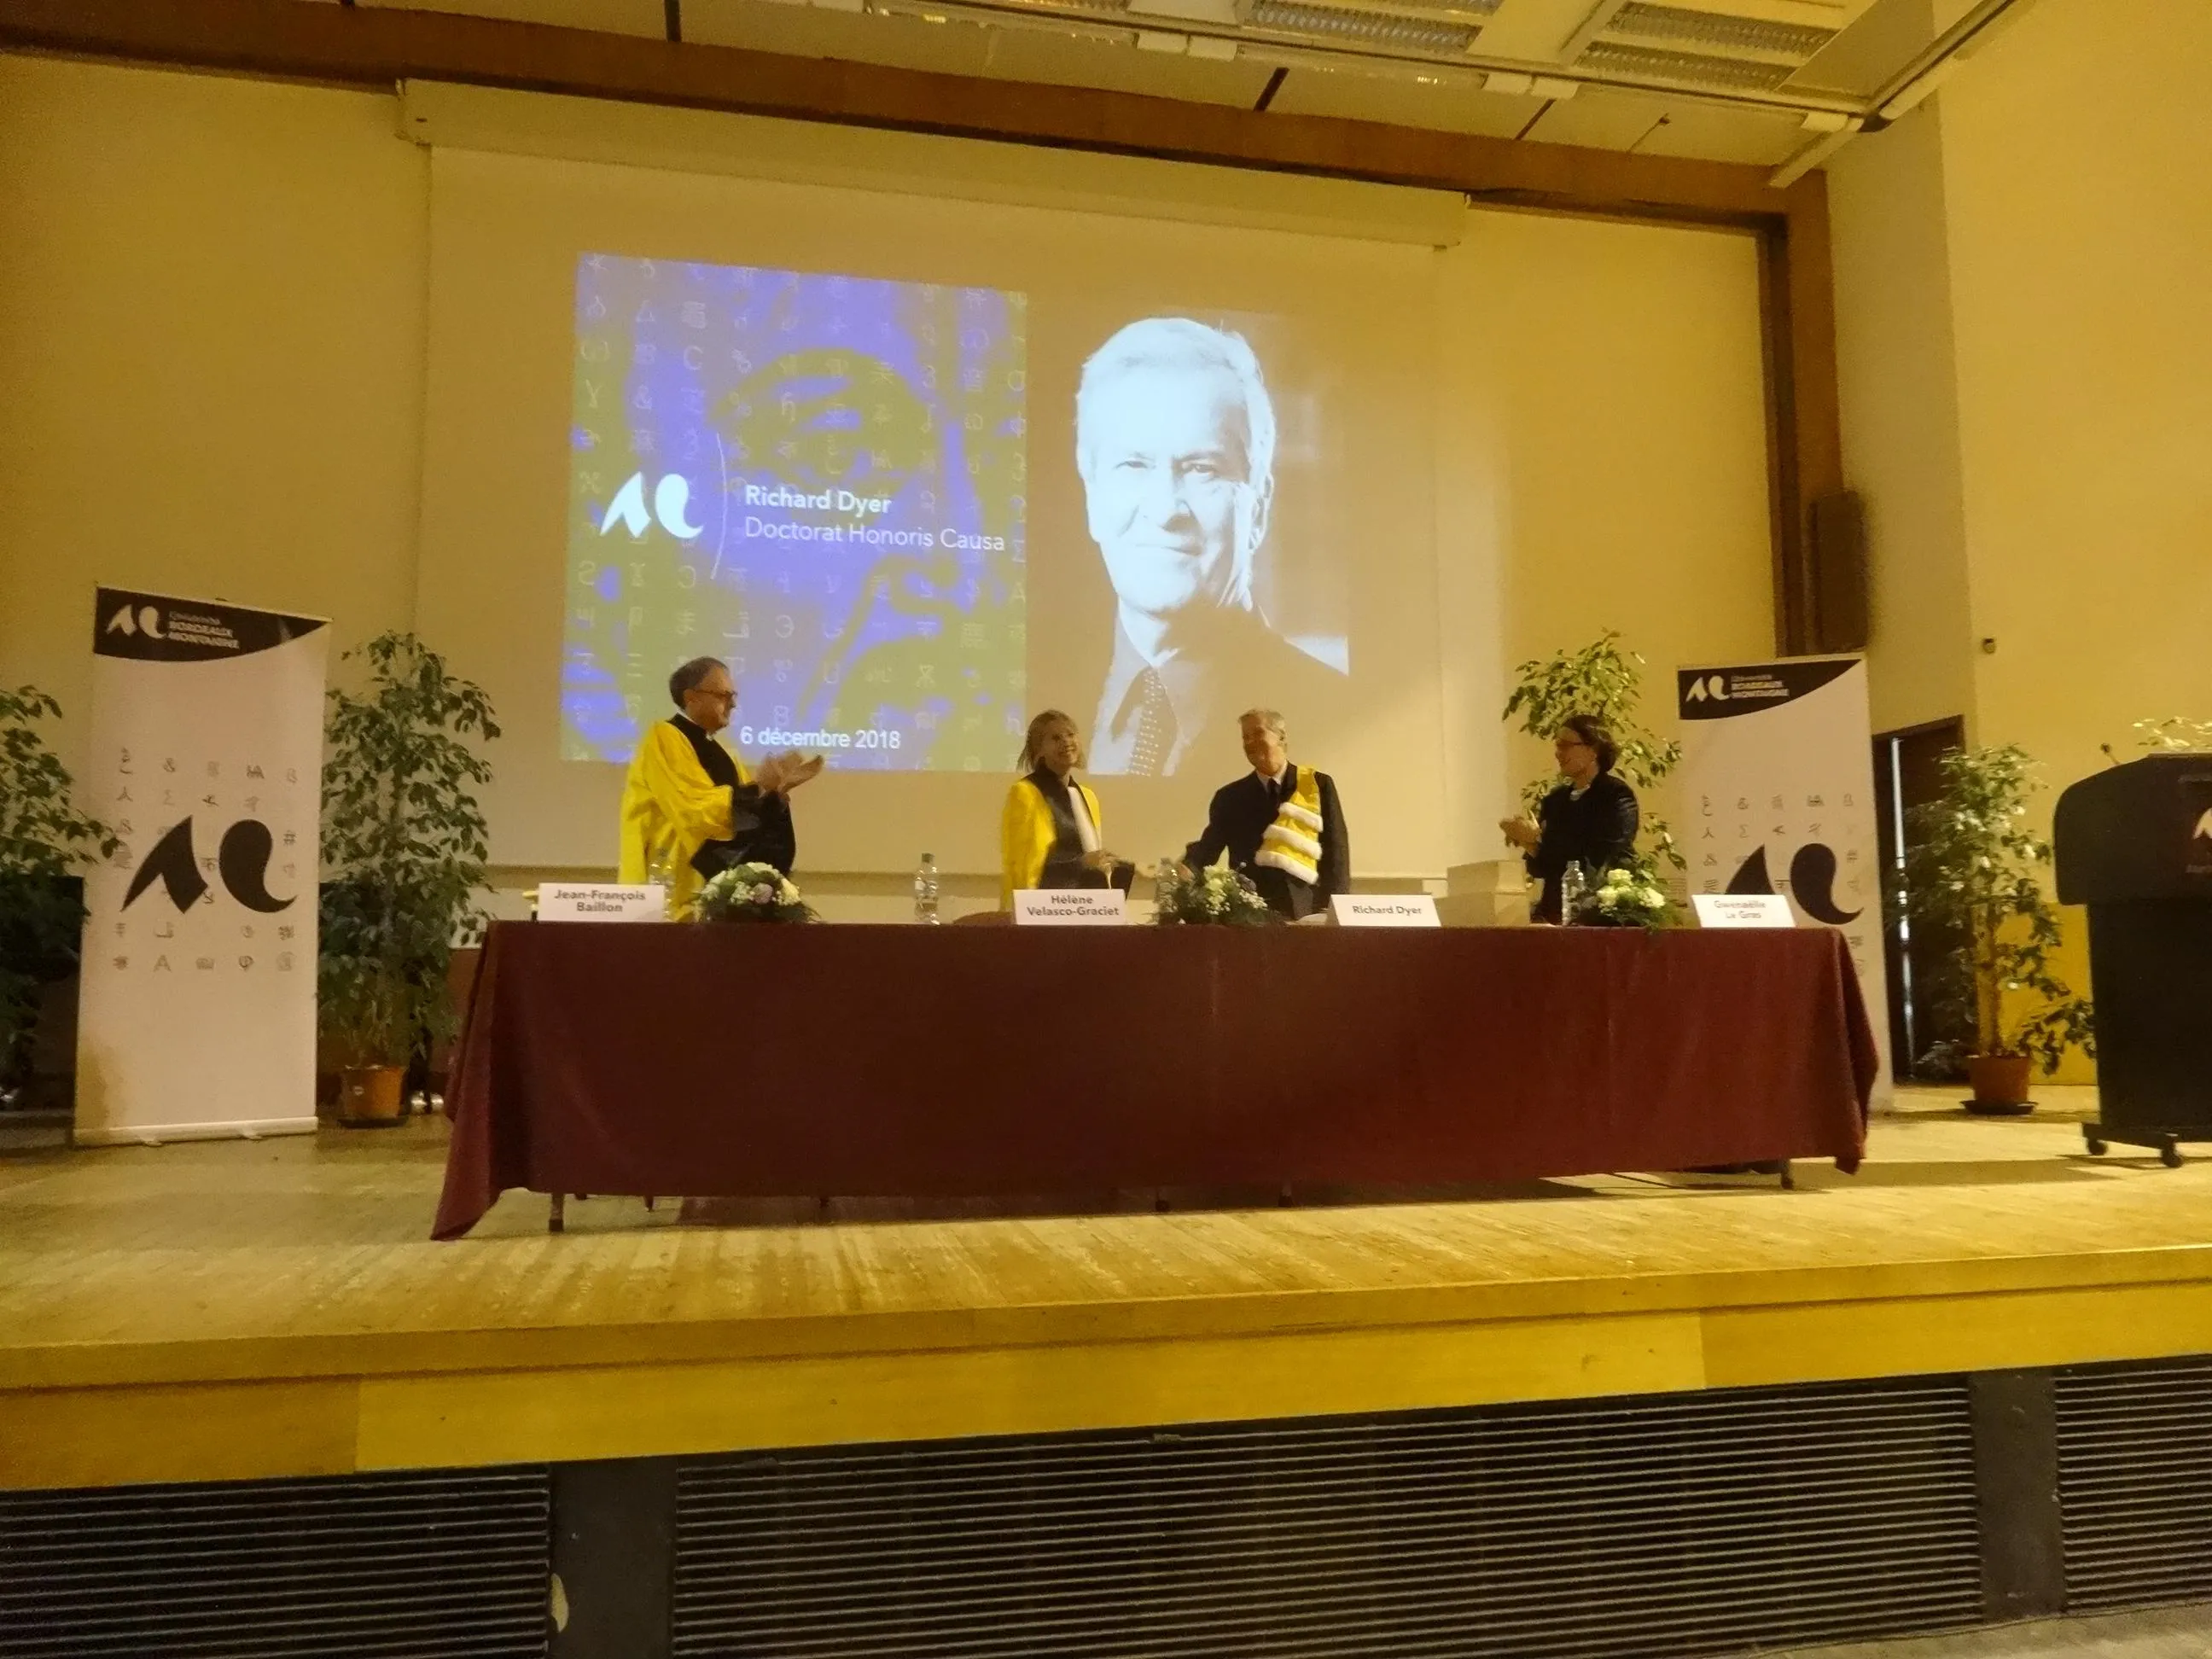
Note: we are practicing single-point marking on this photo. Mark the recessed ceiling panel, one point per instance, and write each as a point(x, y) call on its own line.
point(1711, 134)
point(1070, 60)
point(1454, 106)
point(1600, 119)
point(952, 47)
point(608, 16)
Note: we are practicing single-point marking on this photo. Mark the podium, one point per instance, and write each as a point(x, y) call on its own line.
point(2134, 845)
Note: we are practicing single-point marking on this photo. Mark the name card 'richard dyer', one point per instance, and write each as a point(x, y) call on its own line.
point(1384, 910)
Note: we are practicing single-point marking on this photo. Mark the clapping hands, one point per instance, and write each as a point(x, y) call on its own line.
point(779, 774)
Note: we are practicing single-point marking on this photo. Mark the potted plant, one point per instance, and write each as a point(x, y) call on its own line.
point(1973, 874)
point(1605, 680)
point(403, 847)
point(44, 841)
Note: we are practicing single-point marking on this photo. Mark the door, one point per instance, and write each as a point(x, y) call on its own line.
point(1907, 772)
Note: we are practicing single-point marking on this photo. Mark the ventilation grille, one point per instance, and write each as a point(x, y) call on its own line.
point(2135, 1482)
point(1678, 1524)
point(1704, 29)
point(385, 1565)
point(1366, 28)
point(1691, 68)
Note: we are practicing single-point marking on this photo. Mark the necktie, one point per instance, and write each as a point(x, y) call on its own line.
point(1156, 726)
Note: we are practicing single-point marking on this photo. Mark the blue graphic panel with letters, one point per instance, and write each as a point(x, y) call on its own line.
point(819, 479)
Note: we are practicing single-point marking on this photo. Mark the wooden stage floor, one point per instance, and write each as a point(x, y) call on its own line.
point(225, 1310)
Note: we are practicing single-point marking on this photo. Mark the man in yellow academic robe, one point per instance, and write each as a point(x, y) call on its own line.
point(691, 809)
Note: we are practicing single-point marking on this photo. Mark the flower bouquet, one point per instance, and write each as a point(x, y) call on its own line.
point(750, 892)
point(1215, 897)
point(1627, 898)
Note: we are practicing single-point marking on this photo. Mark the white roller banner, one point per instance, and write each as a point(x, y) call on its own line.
point(197, 1011)
point(1777, 784)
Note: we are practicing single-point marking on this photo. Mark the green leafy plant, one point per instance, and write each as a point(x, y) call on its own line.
point(44, 844)
point(750, 892)
point(404, 847)
point(1973, 873)
point(1605, 680)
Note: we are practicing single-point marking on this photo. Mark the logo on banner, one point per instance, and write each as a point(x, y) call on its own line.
point(1711, 685)
point(241, 861)
point(146, 622)
point(1813, 870)
point(2203, 827)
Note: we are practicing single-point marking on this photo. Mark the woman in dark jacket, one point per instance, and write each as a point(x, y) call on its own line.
point(1589, 819)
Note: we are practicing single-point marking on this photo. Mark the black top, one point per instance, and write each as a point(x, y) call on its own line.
point(1598, 831)
point(1239, 816)
point(761, 830)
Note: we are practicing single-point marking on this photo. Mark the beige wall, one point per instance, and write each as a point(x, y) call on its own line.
point(214, 347)
point(1616, 396)
point(2080, 238)
point(1896, 379)
point(2028, 384)
point(212, 351)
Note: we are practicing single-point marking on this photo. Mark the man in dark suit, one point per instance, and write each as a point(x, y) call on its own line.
point(1281, 825)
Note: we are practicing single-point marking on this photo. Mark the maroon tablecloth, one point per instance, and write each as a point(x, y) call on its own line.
point(780, 1061)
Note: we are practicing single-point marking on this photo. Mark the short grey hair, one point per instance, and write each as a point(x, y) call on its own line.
point(1181, 343)
point(1266, 717)
point(691, 676)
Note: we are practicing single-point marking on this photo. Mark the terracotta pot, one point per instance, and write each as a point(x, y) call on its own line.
point(368, 1096)
point(2000, 1084)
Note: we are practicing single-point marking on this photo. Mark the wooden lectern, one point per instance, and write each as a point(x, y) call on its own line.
point(2134, 845)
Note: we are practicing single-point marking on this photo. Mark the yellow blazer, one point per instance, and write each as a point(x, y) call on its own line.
point(1026, 835)
point(670, 809)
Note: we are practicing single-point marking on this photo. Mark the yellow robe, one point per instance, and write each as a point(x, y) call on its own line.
point(670, 809)
point(1026, 835)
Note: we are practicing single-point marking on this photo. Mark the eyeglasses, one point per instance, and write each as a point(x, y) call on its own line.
point(716, 696)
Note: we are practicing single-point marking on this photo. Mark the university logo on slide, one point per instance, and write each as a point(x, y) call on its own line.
point(672, 505)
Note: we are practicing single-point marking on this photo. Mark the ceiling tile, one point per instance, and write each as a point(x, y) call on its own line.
point(1405, 102)
point(608, 16)
point(1073, 60)
point(1709, 134)
point(953, 47)
point(1600, 119)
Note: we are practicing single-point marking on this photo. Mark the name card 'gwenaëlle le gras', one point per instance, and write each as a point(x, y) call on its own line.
point(1742, 910)
point(1068, 906)
point(602, 901)
point(1383, 909)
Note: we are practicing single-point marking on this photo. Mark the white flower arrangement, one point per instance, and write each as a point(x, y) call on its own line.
point(750, 892)
point(1629, 898)
point(1216, 897)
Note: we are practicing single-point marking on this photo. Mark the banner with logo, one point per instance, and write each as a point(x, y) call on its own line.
point(197, 1009)
point(1777, 782)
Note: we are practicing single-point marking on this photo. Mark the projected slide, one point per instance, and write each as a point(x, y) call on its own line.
point(817, 479)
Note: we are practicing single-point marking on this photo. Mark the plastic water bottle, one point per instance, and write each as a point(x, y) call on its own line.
point(924, 890)
point(1574, 888)
point(1167, 877)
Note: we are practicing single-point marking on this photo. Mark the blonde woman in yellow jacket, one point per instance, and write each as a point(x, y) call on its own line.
point(1049, 833)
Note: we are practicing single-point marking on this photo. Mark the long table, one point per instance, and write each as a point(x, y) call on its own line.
point(759, 1062)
